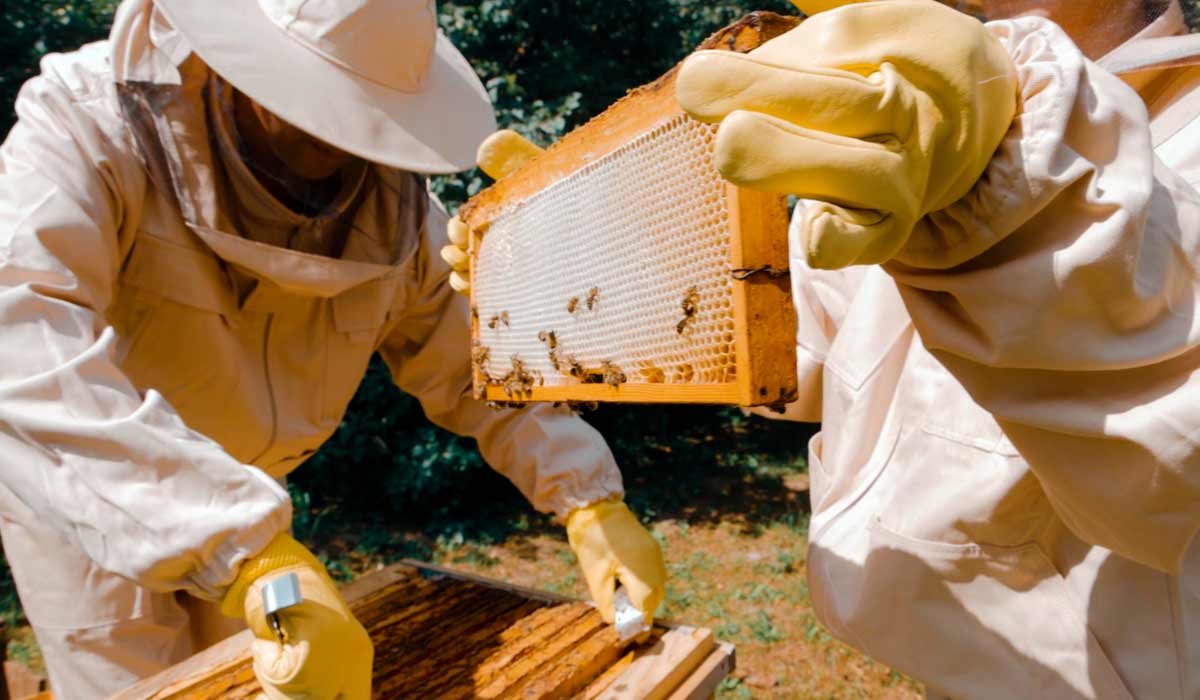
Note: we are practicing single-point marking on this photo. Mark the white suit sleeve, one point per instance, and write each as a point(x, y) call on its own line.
point(555, 458)
point(1063, 293)
point(114, 470)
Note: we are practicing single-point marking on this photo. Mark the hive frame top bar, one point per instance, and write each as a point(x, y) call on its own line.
point(765, 348)
point(392, 601)
point(563, 157)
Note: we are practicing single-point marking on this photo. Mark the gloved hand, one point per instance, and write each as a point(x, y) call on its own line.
point(500, 154)
point(327, 653)
point(880, 111)
point(612, 545)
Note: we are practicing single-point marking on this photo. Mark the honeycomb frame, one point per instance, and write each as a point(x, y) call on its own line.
point(603, 269)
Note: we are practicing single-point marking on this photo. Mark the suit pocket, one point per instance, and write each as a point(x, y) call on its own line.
point(360, 318)
point(159, 270)
point(173, 314)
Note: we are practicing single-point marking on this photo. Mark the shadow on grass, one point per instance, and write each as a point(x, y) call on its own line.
point(700, 465)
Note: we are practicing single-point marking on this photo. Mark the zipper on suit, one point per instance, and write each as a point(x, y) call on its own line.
point(270, 389)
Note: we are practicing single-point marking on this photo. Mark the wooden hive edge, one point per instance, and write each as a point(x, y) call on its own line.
point(765, 338)
point(232, 656)
point(707, 677)
point(627, 393)
point(658, 671)
point(759, 381)
point(616, 124)
point(228, 655)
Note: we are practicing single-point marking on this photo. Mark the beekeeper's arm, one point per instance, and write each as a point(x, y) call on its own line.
point(559, 462)
point(115, 471)
point(1056, 278)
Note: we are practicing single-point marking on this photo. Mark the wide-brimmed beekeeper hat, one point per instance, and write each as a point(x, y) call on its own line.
point(374, 78)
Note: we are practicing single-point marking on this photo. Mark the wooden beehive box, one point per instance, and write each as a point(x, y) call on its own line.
point(442, 634)
point(619, 266)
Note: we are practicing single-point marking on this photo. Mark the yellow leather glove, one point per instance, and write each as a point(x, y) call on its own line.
point(500, 154)
point(326, 652)
point(879, 111)
point(612, 545)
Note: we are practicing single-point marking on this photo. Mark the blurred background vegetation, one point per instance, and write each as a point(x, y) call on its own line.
point(389, 484)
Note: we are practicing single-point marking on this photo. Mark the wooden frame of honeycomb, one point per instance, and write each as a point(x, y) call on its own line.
point(764, 319)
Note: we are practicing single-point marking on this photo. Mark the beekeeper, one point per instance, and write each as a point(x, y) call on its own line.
point(995, 271)
point(208, 224)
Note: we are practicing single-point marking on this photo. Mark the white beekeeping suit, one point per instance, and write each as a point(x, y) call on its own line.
point(1006, 488)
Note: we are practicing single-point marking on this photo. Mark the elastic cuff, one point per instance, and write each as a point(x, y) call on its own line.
point(597, 511)
point(567, 506)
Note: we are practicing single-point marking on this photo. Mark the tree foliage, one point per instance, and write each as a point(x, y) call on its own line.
point(549, 66)
point(32, 28)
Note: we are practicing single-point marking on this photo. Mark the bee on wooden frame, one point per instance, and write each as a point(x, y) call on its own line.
point(574, 368)
point(613, 376)
point(479, 357)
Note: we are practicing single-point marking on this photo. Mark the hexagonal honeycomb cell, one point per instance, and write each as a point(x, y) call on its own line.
point(647, 228)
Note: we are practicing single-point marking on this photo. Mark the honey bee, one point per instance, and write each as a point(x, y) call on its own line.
point(495, 321)
point(593, 294)
point(612, 374)
point(574, 368)
point(479, 357)
point(549, 338)
point(519, 381)
point(474, 314)
point(572, 305)
point(689, 305)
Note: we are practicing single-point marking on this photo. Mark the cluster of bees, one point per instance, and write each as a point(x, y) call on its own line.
point(520, 381)
point(608, 373)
